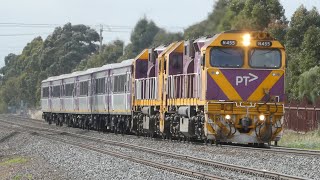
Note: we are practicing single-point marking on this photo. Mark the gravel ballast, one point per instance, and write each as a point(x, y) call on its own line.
point(296, 165)
point(54, 160)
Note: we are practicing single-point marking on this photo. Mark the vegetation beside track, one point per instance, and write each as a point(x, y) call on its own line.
point(309, 140)
point(14, 160)
point(9, 166)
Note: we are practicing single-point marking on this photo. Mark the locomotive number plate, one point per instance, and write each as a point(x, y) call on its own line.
point(264, 43)
point(228, 43)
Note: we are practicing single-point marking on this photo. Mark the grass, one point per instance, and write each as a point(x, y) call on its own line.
point(309, 140)
point(19, 177)
point(14, 160)
point(11, 163)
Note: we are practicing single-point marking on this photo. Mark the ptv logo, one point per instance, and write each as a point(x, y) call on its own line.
point(246, 79)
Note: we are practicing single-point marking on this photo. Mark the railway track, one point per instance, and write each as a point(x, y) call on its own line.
point(177, 170)
point(215, 164)
point(275, 149)
point(283, 150)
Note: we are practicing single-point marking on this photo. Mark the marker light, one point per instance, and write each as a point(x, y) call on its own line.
point(262, 117)
point(246, 40)
point(217, 72)
point(228, 117)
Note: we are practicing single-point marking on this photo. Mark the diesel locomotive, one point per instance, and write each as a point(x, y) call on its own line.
point(224, 88)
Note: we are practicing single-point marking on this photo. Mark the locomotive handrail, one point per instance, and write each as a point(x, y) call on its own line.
point(252, 105)
point(183, 86)
point(302, 108)
point(257, 103)
point(146, 88)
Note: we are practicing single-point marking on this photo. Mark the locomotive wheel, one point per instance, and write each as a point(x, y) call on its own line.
point(211, 141)
point(57, 121)
point(217, 142)
point(205, 141)
point(163, 136)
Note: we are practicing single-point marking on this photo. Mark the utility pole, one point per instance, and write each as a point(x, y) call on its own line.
point(101, 30)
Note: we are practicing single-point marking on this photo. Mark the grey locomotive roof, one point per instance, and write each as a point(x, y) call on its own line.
point(91, 70)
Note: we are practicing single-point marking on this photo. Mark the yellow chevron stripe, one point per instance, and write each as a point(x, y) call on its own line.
point(224, 85)
point(268, 83)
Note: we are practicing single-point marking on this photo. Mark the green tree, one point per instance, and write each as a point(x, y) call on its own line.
point(255, 15)
point(302, 41)
point(66, 47)
point(195, 31)
point(164, 37)
point(141, 37)
point(309, 84)
point(212, 24)
point(309, 55)
point(242, 15)
point(110, 54)
point(59, 53)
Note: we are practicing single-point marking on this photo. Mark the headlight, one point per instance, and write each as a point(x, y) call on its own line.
point(262, 117)
point(228, 117)
point(246, 40)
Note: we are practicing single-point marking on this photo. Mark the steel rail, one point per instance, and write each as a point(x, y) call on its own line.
point(225, 166)
point(282, 150)
point(276, 149)
point(177, 170)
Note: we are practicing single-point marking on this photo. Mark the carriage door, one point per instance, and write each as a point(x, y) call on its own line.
point(49, 98)
point(75, 93)
point(61, 95)
point(92, 89)
point(106, 91)
point(127, 90)
point(111, 105)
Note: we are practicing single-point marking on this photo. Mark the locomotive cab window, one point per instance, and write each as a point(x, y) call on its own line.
point(226, 57)
point(265, 58)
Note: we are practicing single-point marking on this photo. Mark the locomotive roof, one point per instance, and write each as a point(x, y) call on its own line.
point(91, 70)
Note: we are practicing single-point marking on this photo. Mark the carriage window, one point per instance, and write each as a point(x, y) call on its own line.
point(119, 83)
point(69, 89)
point(226, 57)
point(100, 86)
point(45, 92)
point(84, 88)
point(265, 58)
point(56, 91)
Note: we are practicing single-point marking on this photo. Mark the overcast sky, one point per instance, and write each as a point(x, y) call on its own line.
point(174, 15)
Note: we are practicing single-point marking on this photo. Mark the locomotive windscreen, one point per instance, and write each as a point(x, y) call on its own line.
point(226, 57)
point(265, 58)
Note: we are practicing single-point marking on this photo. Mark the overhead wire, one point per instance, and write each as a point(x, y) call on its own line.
point(27, 25)
point(107, 28)
point(25, 34)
